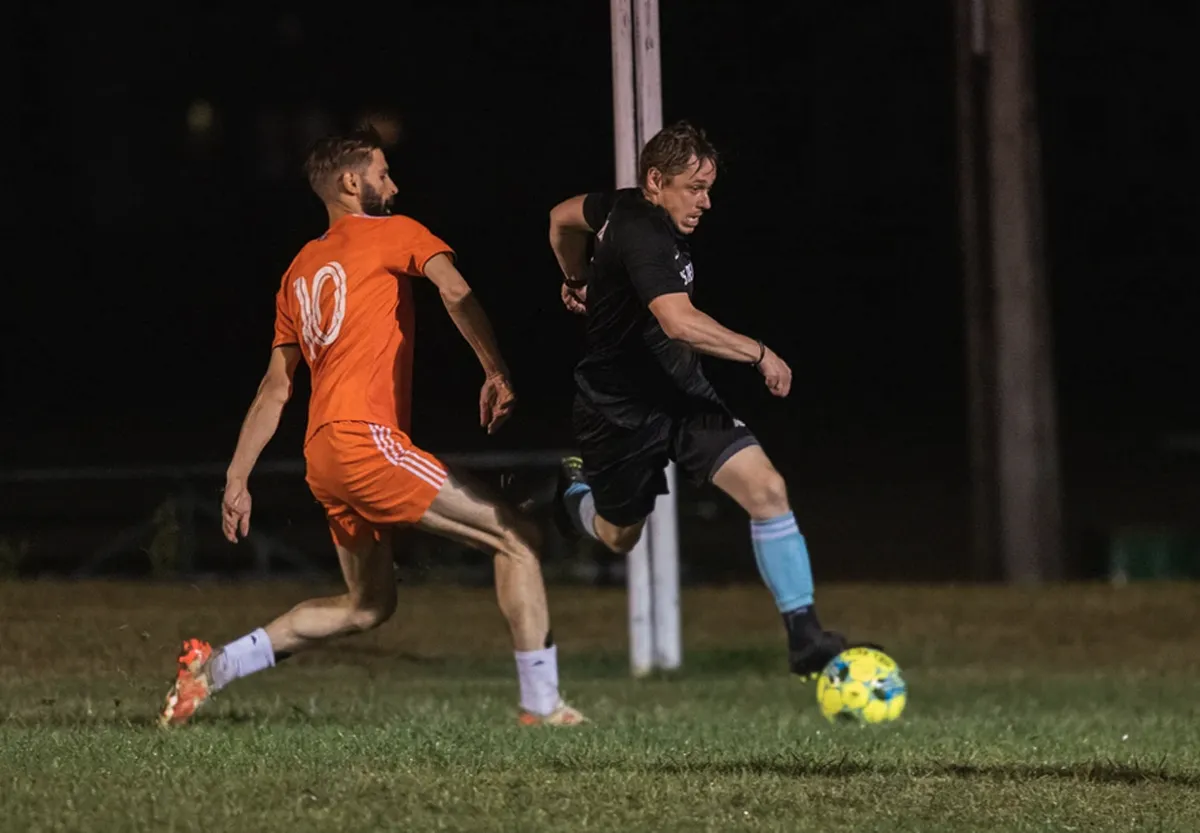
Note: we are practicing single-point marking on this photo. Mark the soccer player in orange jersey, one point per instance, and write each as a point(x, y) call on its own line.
point(345, 308)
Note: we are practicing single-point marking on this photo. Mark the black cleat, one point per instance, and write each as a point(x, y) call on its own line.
point(570, 471)
point(809, 659)
point(810, 646)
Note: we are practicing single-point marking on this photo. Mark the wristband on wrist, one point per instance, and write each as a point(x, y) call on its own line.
point(762, 354)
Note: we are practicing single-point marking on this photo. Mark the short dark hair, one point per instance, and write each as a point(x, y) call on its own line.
point(331, 155)
point(672, 149)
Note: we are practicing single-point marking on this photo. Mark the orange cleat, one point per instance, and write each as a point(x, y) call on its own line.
point(192, 687)
point(563, 715)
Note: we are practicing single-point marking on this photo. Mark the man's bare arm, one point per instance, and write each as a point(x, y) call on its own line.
point(466, 312)
point(263, 417)
point(569, 232)
point(700, 331)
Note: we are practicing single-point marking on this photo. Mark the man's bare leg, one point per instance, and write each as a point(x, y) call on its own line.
point(369, 601)
point(461, 513)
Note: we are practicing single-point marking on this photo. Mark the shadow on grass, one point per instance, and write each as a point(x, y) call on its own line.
point(349, 651)
point(701, 665)
point(580, 666)
point(73, 720)
point(1097, 772)
point(280, 717)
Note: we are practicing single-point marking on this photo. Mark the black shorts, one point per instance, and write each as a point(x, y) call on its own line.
point(625, 467)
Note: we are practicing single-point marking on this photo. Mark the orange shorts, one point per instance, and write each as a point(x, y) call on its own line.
point(369, 476)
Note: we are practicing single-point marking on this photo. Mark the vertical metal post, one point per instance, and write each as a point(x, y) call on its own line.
point(653, 565)
point(1030, 516)
point(970, 72)
point(625, 133)
point(625, 141)
point(662, 527)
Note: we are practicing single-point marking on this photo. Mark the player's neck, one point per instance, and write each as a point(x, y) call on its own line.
point(648, 197)
point(337, 211)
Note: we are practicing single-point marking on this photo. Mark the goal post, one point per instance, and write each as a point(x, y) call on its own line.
point(652, 574)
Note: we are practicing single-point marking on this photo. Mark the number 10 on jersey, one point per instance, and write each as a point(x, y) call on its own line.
point(315, 332)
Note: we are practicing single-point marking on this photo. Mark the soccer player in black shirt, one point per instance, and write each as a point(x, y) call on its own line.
point(641, 395)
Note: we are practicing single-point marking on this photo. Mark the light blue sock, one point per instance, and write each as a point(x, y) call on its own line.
point(782, 558)
point(581, 506)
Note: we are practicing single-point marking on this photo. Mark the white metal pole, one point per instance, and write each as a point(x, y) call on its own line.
point(641, 621)
point(648, 66)
point(625, 135)
point(625, 144)
point(663, 533)
point(662, 528)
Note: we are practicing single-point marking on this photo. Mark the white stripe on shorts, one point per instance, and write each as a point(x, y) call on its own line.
point(409, 459)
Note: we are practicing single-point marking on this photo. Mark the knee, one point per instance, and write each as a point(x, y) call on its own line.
point(518, 540)
point(524, 532)
point(368, 614)
point(621, 539)
point(767, 495)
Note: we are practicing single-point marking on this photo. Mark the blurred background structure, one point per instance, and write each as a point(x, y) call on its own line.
point(157, 200)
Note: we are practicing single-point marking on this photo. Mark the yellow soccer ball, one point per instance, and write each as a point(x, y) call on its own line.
point(861, 685)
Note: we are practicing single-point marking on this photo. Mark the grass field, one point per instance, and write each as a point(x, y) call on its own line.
point(1060, 709)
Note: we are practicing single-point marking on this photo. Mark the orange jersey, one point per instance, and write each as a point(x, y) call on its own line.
point(346, 301)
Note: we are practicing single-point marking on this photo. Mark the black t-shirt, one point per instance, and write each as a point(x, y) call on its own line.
point(631, 370)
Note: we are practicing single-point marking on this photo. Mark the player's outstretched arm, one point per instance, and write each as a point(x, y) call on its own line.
point(259, 426)
point(681, 320)
point(496, 400)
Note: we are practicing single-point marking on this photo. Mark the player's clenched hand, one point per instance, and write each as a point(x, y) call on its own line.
point(496, 402)
point(235, 510)
point(776, 373)
point(575, 298)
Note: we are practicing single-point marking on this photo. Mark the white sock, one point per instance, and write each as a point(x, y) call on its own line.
point(587, 515)
point(242, 657)
point(537, 672)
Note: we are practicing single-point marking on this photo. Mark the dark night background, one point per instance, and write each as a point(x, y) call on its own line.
point(143, 310)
